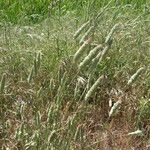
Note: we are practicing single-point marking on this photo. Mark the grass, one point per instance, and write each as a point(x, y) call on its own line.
point(43, 94)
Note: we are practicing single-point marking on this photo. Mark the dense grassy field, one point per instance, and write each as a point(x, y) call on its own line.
point(75, 75)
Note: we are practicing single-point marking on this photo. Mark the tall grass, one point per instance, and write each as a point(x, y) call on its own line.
point(47, 102)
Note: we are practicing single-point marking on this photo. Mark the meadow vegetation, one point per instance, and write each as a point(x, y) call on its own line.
point(75, 75)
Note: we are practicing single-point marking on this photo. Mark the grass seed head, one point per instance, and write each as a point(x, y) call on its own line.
point(137, 133)
point(91, 55)
point(96, 60)
point(135, 76)
point(81, 50)
point(109, 36)
point(78, 32)
point(114, 108)
point(104, 52)
point(80, 83)
point(93, 88)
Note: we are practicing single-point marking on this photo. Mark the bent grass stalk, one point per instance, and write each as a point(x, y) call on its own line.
point(91, 55)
